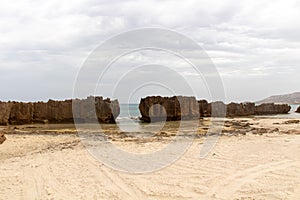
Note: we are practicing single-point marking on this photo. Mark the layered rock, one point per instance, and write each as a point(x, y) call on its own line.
point(272, 109)
point(92, 109)
point(175, 108)
point(298, 110)
point(2, 137)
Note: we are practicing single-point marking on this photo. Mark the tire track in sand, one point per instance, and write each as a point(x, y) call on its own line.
point(228, 187)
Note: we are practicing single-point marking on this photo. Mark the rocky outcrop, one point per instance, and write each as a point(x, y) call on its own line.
point(106, 110)
point(175, 108)
point(203, 108)
point(2, 137)
point(240, 109)
point(214, 109)
point(298, 110)
point(5, 108)
point(158, 108)
point(92, 109)
point(53, 112)
point(217, 109)
point(272, 109)
point(21, 113)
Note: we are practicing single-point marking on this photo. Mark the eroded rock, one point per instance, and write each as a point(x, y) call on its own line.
point(92, 109)
point(272, 109)
point(5, 108)
point(157, 108)
point(240, 109)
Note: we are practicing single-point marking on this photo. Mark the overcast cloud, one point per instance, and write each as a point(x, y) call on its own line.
point(255, 45)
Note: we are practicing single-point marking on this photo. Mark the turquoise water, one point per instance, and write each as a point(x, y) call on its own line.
point(129, 111)
point(294, 108)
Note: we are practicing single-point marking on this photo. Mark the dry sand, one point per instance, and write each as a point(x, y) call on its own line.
point(250, 166)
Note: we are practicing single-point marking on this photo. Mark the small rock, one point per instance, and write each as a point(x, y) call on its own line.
point(2, 137)
point(298, 110)
point(291, 122)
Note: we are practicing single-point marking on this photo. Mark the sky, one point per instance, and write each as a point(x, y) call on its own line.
point(254, 46)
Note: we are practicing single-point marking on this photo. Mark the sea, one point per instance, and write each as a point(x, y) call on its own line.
point(130, 111)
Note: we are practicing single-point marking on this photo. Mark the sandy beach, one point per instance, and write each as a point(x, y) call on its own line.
point(43, 163)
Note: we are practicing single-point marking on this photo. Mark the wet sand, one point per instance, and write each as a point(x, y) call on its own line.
point(254, 158)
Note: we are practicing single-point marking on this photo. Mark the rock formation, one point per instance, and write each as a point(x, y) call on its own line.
point(272, 109)
point(53, 112)
point(106, 110)
point(175, 108)
point(158, 108)
point(21, 113)
point(92, 109)
point(2, 137)
point(5, 108)
point(217, 109)
point(298, 110)
point(203, 108)
point(240, 109)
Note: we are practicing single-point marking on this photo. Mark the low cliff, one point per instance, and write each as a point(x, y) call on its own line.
point(157, 108)
point(175, 108)
point(272, 109)
point(240, 109)
point(5, 108)
point(91, 109)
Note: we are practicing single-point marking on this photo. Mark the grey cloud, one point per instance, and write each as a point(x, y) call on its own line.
point(254, 45)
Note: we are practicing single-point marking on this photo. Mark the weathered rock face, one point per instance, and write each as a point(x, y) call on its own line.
point(272, 109)
point(214, 109)
point(217, 109)
point(240, 109)
point(203, 108)
point(298, 110)
point(53, 112)
point(92, 109)
point(5, 108)
point(175, 108)
point(2, 137)
point(106, 110)
point(21, 113)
